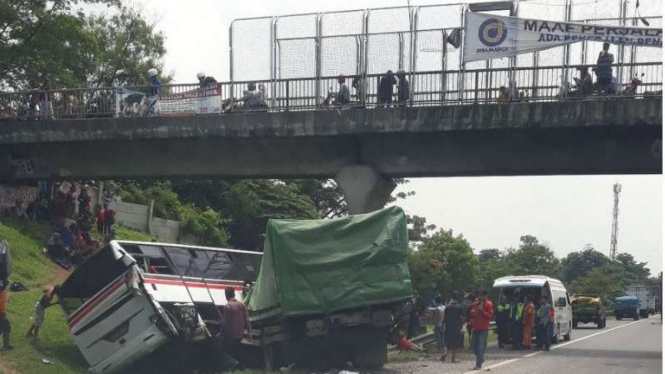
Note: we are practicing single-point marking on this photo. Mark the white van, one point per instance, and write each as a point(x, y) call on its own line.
point(536, 286)
point(130, 298)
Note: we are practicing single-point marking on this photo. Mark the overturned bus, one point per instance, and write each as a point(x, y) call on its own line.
point(130, 298)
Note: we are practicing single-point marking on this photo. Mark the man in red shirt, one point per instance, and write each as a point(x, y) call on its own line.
point(482, 312)
point(235, 326)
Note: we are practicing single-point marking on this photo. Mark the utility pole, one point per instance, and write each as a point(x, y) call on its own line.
point(615, 222)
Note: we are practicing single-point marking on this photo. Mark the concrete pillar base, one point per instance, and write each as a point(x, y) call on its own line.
point(364, 188)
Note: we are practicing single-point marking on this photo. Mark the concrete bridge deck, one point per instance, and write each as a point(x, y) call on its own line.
point(613, 136)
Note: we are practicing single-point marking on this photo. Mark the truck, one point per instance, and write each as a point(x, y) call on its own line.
point(642, 293)
point(588, 309)
point(329, 291)
point(626, 306)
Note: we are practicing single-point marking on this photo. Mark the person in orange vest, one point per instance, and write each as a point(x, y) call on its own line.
point(528, 320)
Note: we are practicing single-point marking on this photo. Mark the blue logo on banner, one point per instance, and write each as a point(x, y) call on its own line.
point(492, 32)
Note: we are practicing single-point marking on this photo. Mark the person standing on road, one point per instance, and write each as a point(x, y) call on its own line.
point(439, 328)
point(528, 320)
point(470, 299)
point(516, 323)
point(503, 321)
point(452, 326)
point(544, 322)
point(481, 315)
point(235, 326)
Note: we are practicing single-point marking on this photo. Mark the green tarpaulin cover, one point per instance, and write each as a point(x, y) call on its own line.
point(324, 266)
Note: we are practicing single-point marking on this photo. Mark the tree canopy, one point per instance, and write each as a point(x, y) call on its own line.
point(443, 263)
point(58, 40)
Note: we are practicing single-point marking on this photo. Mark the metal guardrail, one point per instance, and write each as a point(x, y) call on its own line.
point(437, 88)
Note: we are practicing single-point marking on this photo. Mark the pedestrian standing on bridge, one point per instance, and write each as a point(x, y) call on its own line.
point(343, 95)
point(481, 315)
point(385, 92)
point(528, 320)
point(403, 88)
point(502, 318)
point(543, 337)
point(604, 68)
point(453, 320)
point(516, 312)
point(152, 98)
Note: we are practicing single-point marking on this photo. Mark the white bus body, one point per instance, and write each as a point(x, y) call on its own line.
point(537, 286)
point(130, 298)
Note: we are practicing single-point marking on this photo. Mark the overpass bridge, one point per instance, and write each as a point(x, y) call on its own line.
point(515, 116)
point(362, 148)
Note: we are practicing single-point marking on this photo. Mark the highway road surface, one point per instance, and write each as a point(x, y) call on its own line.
point(627, 346)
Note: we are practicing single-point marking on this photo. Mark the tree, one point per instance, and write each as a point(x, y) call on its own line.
point(250, 203)
point(54, 39)
point(493, 265)
point(418, 228)
point(125, 48)
point(442, 264)
point(489, 254)
point(603, 281)
point(578, 264)
point(636, 272)
point(532, 257)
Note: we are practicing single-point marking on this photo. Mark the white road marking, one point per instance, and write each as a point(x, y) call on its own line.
point(502, 363)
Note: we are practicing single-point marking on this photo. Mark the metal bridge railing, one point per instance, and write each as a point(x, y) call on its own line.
point(435, 88)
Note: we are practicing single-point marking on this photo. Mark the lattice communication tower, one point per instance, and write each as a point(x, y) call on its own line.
point(615, 222)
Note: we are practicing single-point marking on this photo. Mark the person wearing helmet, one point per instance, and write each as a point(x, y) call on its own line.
point(205, 81)
point(153, 96)
point(343, 96)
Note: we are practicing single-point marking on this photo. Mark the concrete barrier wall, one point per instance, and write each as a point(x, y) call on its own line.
point(138, 217)
point(131, 215)
point(165, 230)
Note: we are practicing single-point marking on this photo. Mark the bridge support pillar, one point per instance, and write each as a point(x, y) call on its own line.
point(364, 188)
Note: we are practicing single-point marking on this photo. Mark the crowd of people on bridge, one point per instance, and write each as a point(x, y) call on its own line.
point(470, 315)
point(392, 89)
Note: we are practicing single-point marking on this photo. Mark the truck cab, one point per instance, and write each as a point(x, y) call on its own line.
point(588, 309)
point(627, 306)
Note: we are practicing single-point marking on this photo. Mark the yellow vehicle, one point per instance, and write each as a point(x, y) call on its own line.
point(588, 309)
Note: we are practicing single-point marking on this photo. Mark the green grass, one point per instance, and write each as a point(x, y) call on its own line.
point(32, 267)
point(25, 239)
point(125, 233)
point(54, 344)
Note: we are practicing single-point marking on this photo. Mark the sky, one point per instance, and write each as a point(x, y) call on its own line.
point(564, 212)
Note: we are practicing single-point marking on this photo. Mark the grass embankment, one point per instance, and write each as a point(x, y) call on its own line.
point(33, 268)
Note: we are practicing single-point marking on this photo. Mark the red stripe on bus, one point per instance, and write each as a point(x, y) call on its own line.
point(191, 285)
point(95, 302)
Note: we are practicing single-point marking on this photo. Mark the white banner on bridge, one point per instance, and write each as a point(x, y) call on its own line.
point(202, 100)
point(487, 36)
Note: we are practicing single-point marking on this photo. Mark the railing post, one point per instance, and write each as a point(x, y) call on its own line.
point(476, 87)
point(288, 94)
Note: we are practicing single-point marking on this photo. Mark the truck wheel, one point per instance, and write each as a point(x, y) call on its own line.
point(272, 356)
point(568, 335)
point(370, 350)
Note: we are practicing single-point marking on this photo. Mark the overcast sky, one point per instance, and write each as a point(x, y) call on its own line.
point(565, 212)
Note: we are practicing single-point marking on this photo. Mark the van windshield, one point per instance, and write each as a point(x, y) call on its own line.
point(518, 293)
